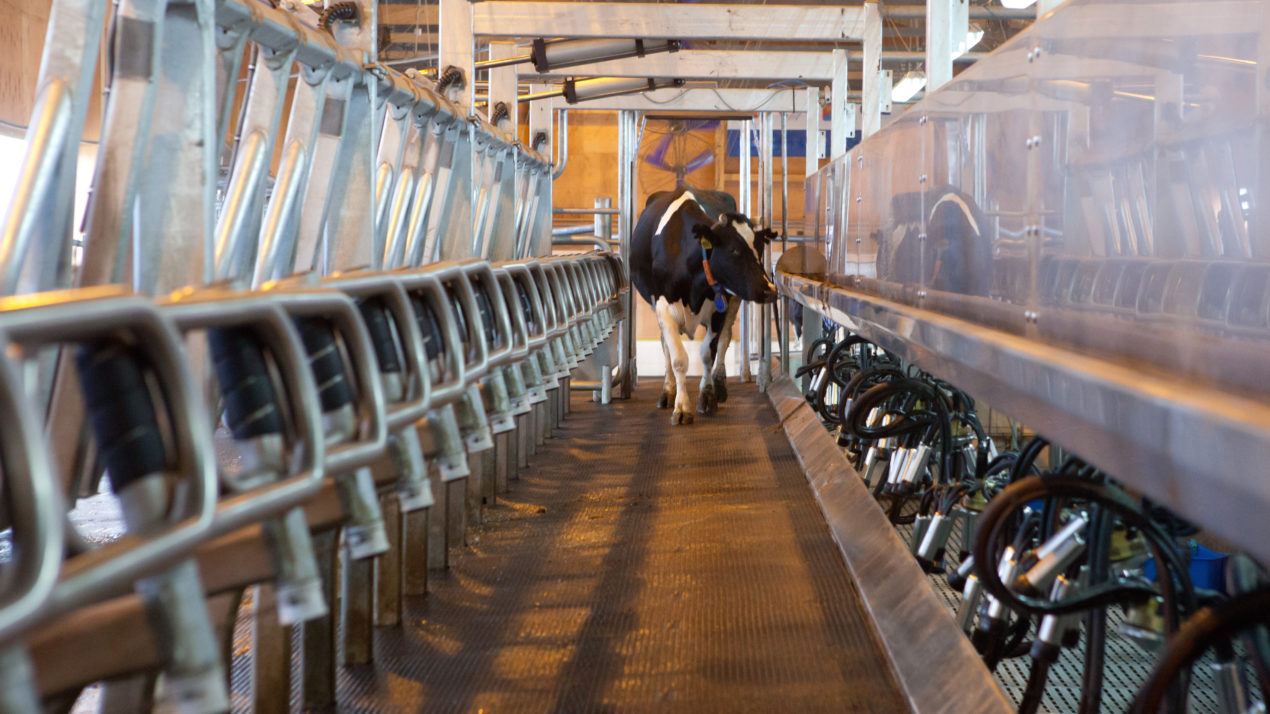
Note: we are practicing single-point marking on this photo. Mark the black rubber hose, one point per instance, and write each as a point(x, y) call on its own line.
point(1243, 575)
point(450, 77)
point(251, 404)
point(1096, 619)
point(996, 516)
point(500, 112)
point(1206, 629)
point(334, 391)
point(1035, 691)
point(429, 328)
point(339, 12)
point(121, 411)
point(493, 337)
point(375, 317)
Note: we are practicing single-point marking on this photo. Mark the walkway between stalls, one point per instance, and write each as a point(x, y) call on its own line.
point(637, 566)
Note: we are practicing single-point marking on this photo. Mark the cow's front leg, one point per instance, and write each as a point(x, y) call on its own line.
point(719, 370)
point(678, 363)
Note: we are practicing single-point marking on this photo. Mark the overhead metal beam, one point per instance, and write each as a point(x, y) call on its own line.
point(732, 64)
point(711, 64)
point(786, 23)
point(692, 99)
point(978, 12)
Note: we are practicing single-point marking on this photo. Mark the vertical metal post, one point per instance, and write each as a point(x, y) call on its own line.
point(744, 205)
point(271, 655)
point(766, 125)
point(502, 85)
point(541, 115)
point(604, 221)
point(783, 321)
point(838, 108)
point(388, 585)
point(938, 40)
point(414, 556)
point(356, 606)
point(627, 152)
point(457, 47)
point(872, 99)
point(317, 687)
point(604, 230)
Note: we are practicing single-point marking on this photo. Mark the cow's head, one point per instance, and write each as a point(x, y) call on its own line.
point(735, 252)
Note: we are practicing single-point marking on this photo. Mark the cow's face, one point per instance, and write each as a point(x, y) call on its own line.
point(736, 251)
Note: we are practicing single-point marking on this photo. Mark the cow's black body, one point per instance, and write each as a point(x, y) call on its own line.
point(666, 268)
point(669, 265)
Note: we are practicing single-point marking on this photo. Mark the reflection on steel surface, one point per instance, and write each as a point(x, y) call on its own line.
point(1093, 184)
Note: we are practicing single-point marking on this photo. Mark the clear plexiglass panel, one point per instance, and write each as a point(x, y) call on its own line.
point(1095, 183)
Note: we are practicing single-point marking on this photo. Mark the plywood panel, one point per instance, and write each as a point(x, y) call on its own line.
point(21, 42)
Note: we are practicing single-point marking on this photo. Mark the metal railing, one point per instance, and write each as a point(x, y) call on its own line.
point(380, 331)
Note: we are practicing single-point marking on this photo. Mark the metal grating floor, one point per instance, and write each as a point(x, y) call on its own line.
point(637, 566)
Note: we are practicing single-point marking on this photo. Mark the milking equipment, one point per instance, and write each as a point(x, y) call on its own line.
point(329, 320)
point(1038, 556)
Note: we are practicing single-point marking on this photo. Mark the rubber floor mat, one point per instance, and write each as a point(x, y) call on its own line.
point(637, 566)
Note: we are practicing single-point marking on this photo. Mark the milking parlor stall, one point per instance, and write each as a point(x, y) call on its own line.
point(510, 356)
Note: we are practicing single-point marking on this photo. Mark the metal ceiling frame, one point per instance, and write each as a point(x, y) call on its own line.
point(788, 23)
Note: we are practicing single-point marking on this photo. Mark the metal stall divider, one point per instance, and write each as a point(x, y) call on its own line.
point(156, 166)
point(37, 508)
point(385, 352)
point(156, 447)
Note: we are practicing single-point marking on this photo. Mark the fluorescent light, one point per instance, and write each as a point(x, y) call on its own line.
point(908, 86)
point(1017, 4)
point(973, 35)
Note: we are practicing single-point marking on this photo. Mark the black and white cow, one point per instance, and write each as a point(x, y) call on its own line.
point(694, 259)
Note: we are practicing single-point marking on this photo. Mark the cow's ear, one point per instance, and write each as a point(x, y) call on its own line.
point(766, 236)
point(704, 234)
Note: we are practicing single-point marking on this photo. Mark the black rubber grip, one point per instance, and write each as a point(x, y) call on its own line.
point(121, 412)
point(527, 308)
point(493, 337)
point(429, 327)
point(375, 315)
point(251, 404)
point(460, 318)
point(326, 363)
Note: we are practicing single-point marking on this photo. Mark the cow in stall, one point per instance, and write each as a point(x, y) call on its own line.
point(694, 259)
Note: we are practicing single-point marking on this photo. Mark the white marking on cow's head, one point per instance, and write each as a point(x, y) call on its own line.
point(746, 232)
point(670, 210)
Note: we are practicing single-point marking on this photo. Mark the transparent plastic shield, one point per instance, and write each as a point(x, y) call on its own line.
point(1093, 183)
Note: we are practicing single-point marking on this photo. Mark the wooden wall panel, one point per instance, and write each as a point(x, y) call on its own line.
point(21, 47)
point(21, 42)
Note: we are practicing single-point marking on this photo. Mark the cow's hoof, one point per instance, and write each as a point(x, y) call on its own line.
point(721, 389)
point(665, 400)
point(707, 404)
point(680, 418)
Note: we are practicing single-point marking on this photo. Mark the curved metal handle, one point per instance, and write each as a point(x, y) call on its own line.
point(511, 304)
point(387, 287)
point(560, 293)
point(340, 310)
point(427, 287)
point(262, 313)
point(556, 324)
point(523, 276)
point(477, 366)
point(36, 504)
point(481, 272)
point(78, 315)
